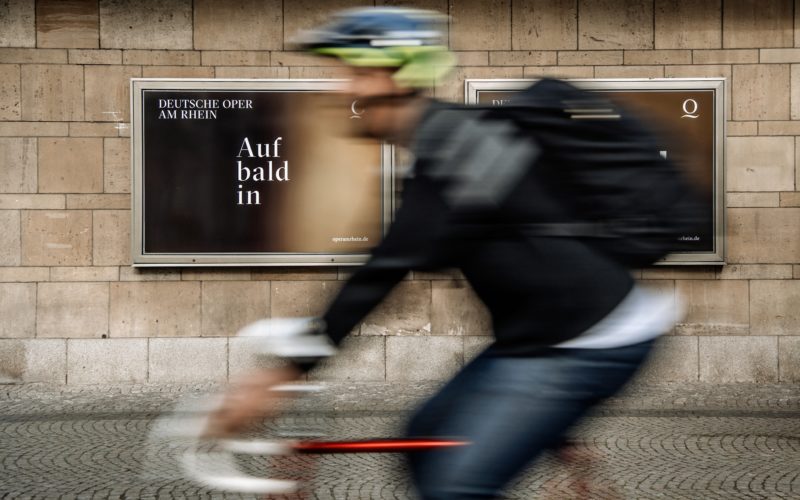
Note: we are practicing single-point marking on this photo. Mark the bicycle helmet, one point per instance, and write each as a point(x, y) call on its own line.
point(410, 40)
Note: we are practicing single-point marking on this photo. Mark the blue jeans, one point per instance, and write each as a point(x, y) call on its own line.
point(511, 409)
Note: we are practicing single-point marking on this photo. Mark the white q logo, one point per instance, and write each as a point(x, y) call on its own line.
point(690, 107)
point(356, 112)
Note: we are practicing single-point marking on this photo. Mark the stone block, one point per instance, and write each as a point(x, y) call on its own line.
point(52, 92)
point(56, 238)
point(99, 201)
point(475, 345)
point(35, 129)
point(33, 56)
point(564, 72)
point(768, 56)
point(687, 24)
point(779, 128)
point(161, 57)
point(299, 58)
point(359, 358)
point(790, 199)
point(18, 165)
point(111, 244)
point(761, 92)
point(760, 164)
point(522, 58)
point(293, 299)
point(148, 274)
point(72, 310)
point(106, 361)
point(67, 23)
point(9, 92)
point(155, 309)
point(763, 23)
point(752, 199)
point(34, 360)
point(10, 242)
point(235, 58)
point(251, 72)
point(305, 14)
point(755, 271)
point(615, 24)
point(452, 88)
point(544, 24)
point(405, 311)
point(215, 274)
point(629, 72)
point(730, 56)
point(718, 307)
point(795, 91)
point(726, 360)
point(95, 274)
point(740, 128)
point(423, 358)
point(789, 359)
point(175, 361)
point(456, 310)
point(294, 273)
point(674, 359)
point(71, 165)
point(477, 25)
point(301, 72)
point(238, 24)
point(83, 129)
point(590, 58)
point(108, 92)
point(178, 72)
point(18, 310)
point(164, 24)
point(17, 23)
point(472, 57)
point(227, 306)
point(86, 56)
point(117, 165)
point(775, 307)
point(24, 274)
point(243, 357)
point(763, 235)
point(645, 57)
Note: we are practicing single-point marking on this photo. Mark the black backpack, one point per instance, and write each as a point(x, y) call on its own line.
point(598, 166)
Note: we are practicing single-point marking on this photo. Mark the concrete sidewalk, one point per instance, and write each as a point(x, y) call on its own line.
point(669, 441)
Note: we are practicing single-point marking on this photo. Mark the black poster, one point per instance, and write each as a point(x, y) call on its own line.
point(687, 121)
point(256, 172)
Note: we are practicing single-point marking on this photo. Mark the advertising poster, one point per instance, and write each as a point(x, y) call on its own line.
point(253, 172)
point(687, 115)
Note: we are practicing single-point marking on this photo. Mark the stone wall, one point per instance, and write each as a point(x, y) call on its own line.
point(73, 311)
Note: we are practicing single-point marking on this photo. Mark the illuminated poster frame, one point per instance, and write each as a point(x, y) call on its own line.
point(716, 86)
point(142, 258)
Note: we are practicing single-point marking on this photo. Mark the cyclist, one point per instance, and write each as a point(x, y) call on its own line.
point(571, 326)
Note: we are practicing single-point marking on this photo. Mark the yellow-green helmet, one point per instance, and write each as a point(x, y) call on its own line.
point(411, 40)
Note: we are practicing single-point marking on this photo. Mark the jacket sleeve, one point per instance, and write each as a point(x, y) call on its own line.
point(414, 240)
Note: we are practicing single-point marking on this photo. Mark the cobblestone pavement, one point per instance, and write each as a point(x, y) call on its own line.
point(692, 442)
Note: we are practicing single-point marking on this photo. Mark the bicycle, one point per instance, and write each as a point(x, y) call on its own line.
point(212, 462)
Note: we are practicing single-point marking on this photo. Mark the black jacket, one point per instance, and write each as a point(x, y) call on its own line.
point(539, 290)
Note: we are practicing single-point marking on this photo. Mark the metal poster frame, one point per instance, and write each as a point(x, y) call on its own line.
point(473, 88)
point(142, 259)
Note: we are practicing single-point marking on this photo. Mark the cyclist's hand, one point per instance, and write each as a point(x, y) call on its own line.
point(249, 400)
